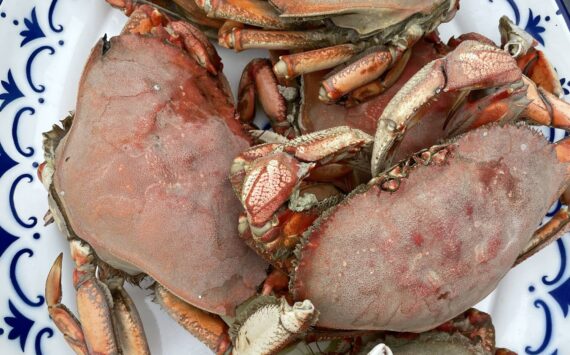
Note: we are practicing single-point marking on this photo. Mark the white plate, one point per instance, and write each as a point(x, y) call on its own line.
point(43, 46)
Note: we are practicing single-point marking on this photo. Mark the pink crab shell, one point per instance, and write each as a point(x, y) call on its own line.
point(142, 174)
point(415, 258)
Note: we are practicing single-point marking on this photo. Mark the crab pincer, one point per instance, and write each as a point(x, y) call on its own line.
point(473, 65)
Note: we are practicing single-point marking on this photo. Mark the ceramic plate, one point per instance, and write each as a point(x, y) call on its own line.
point(43, 46)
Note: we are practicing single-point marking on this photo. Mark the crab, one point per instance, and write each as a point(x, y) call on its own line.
point(441, 227)
point(293, 108)
point(219, 275)
point(438, 232)
point(362, 39)
point(137, 180)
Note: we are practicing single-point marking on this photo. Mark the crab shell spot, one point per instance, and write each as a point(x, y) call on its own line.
point(268, 185)
point(436, 246)
point(147, 185)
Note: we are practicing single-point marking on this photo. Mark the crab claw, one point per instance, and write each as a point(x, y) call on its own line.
point(268, 325)
point(284, 186)
point(60, 314)
point(472, 65)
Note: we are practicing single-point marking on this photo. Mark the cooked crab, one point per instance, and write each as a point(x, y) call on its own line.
point(138, 183)
point(464, 215)
point(363, 39)
point(416, 245)
point(294, 108)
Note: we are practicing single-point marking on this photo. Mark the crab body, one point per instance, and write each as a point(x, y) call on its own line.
point(439, 231)
point(145, 185)
point(148, 164)
point(438, 243)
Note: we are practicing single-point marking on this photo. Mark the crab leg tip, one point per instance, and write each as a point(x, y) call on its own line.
point(53, 282)
point(324, 95)
point(280, 69)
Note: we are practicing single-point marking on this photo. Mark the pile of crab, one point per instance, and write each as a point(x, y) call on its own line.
point(400, 183)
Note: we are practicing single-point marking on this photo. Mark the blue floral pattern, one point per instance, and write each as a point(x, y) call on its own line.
point(20, 97)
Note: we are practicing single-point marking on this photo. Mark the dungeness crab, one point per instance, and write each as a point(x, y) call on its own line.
point(293, 107)
point(441, 227)
point(154, 136)
point(138, 182)
point(440, 230)
point(364, 39)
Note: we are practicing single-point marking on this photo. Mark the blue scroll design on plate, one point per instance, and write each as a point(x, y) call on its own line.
point(565, 86)
point(533, 26)
point(18, 85)
point(547, 331)
point(29, 150)
point(16, 283)
point(38, 341)
point(559, 291)
point(54, 28)
point(20, 324)
point(32, 221)
point(39, 88)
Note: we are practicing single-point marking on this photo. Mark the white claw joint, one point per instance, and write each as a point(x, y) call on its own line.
point(270, 325)
point(380, 349)
point(515, 40)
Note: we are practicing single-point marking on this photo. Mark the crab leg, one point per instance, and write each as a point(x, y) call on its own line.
point(472, 65)
point(111, 324)
point(549, 232)
point(545, 108)
point(240, 39)
point(382, 84)
point(253, 12)
point(208, 328)
point(65, 321)
point(369, 67)
point(535, 65)
point(93, 302)
point(128, 325)
point(362, 71)
point(257, 77)
point(293, 65)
